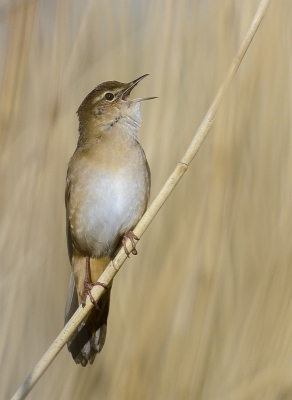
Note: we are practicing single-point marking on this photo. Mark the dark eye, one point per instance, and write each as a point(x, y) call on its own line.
point(109, 96)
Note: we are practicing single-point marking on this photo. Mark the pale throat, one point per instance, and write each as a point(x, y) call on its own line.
point(128, 121)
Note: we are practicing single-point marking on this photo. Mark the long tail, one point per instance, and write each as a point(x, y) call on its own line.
point(90, 336)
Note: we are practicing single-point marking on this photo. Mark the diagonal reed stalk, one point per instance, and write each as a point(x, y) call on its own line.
point(158, 202)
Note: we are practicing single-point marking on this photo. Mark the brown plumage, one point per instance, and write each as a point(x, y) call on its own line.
point(107, 191)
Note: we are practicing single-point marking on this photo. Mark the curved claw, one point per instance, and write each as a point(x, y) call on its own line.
point(132, 237)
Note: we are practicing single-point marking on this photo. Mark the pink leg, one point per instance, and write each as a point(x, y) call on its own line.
point(88, 285)
point(130, 235)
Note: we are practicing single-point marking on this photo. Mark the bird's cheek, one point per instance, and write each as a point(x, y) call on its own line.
point(98, 111)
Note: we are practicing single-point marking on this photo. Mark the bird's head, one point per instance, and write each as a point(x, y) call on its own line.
point(108, 103)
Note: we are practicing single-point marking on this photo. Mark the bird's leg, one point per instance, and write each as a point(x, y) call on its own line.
point(130, 235)
point(88, 285)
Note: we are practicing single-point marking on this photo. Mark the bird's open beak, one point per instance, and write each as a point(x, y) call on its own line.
point(126, 92)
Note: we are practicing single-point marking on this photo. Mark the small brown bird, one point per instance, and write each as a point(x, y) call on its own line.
point(107, 191)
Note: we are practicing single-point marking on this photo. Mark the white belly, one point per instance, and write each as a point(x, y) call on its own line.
point(108, 205)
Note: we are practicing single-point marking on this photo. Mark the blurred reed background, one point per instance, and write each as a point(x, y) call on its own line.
point(205, 310)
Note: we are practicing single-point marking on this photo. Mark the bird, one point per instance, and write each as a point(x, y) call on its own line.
point(107, 192)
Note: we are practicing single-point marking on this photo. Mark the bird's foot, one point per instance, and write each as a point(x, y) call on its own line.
point(88, 285)
point(87, 292)
point(130, 235)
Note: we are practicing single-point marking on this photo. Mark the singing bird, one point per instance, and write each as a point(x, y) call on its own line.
point(107, 191)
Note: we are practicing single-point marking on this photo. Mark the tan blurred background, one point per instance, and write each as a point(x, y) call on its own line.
point(205, 310)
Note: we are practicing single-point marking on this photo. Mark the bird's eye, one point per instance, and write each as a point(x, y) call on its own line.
point(109, 96)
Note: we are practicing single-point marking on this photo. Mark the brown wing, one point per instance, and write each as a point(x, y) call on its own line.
point(68, 230)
